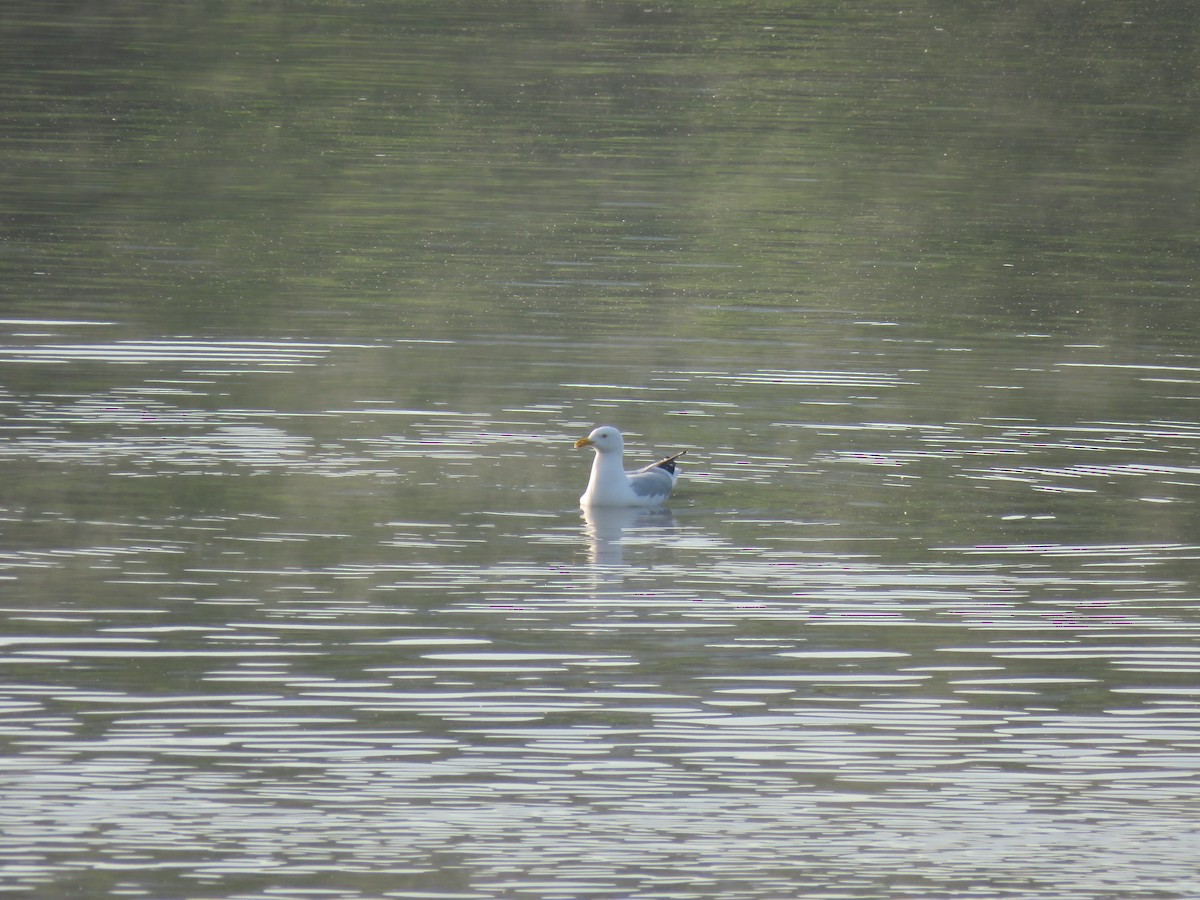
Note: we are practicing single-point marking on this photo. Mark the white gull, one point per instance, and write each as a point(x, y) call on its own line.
point(611, 485)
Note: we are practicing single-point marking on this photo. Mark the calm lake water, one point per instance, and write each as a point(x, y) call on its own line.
point(302, 308)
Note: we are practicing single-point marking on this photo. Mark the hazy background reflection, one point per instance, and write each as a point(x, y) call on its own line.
point(302, 307)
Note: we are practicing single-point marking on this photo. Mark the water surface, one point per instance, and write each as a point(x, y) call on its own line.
point(302, 315)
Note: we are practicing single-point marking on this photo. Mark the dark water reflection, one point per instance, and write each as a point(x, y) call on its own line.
point(302, 314)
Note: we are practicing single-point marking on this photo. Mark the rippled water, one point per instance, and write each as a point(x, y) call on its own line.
point(301, 311)
point(328, 642)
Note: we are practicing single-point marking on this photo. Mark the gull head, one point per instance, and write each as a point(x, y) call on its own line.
point(603, 439)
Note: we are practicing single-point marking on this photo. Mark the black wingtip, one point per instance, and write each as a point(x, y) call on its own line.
point(669, 462)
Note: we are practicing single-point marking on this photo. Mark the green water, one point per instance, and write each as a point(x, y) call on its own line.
point(302, 306)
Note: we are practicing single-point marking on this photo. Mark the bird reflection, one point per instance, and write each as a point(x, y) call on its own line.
point(605, 527)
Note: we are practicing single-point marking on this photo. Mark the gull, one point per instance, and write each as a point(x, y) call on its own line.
point(611, 485)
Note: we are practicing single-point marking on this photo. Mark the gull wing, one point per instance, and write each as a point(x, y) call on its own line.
point(655, 479)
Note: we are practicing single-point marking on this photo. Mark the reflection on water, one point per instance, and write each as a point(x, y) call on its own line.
point(607, 527)
point(382, 618)
point(304, 309)
point(405, 654)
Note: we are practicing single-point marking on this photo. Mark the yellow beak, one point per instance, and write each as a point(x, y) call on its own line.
point(584, 442)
